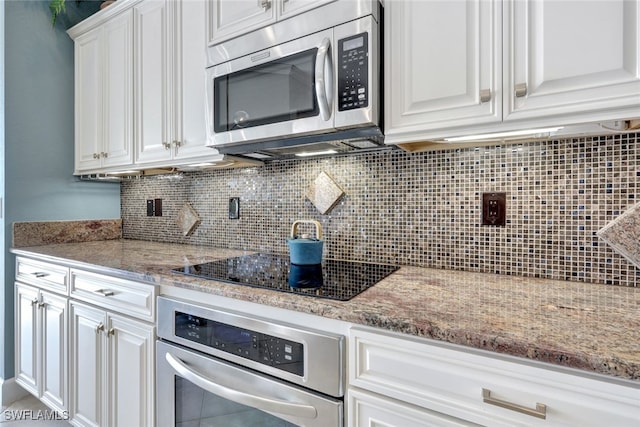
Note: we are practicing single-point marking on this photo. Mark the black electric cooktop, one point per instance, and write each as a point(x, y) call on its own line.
point(339, 280)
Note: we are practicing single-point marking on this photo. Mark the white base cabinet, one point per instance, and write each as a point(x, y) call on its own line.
point(41, 345)
point(398, 380)
point(112, 368)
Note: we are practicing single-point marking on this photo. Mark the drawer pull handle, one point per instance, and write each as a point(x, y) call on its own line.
point(100, 328)
point(539, 412)
point(103, 292)
point(40, 274)
point(34, 301)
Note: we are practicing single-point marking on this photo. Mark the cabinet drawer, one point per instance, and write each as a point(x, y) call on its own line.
point(123, 296)
point(43, 275)
point(486, 389)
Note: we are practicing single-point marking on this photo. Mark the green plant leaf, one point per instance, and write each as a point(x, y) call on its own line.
point(57, 7)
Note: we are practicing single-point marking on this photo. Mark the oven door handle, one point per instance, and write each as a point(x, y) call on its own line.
point(324, 79)
point(259, 402)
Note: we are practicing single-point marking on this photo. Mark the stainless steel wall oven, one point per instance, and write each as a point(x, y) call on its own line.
point(220, 368)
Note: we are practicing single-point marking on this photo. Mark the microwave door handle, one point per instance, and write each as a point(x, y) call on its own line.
point(324, 78)
point(259, 402)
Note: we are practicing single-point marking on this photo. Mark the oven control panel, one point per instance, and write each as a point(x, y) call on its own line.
point(353, 72)
point(269, 350)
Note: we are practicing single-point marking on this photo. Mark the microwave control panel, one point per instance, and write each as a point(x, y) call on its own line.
point(353, 72)
point(266, 349)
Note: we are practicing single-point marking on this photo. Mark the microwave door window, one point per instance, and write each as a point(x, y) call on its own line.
point(273, 92)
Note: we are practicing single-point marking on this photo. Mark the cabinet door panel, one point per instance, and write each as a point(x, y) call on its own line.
point(440, 57)
point(295, 7)
point(572, 58)
point(131, 372)
point(190, 127)
point(369, 410)
point(87, 364)
point(88, 100)
point(152, 78)
point(54, 350)
point(118, 91)
point(26, 338)
point(229, 19)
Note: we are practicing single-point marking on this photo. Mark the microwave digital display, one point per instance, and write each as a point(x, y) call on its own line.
point(353, 43)
point(353, 72)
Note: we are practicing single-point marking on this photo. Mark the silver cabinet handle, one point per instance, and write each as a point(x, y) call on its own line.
point(485, 95)
point(521, 90)
point(34, 301)
point(324, 81)
point(539, 412)
point(103, 292)
point(259, 402)
point(166, 145)
point(111, 332)
point(96, 155)
point(42, 304)
point(100, 328)
point(40, 274)
point(265, 4)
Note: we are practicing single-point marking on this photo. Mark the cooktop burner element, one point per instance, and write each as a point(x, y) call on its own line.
point(340, 280)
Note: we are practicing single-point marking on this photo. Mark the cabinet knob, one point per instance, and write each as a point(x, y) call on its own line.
point(42, 304)
point(100, 328)
point(485, 95)
point(96, 155)
point(104, 155)
point(266, 4)
point(34, 301)
point(166, 145)
point(111, 332)
point(521, 90)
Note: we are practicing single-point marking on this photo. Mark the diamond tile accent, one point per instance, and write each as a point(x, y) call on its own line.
point(623, 234)
point(324, 193)
point(187, 219)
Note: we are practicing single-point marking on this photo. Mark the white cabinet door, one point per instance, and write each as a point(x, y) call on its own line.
point(117, 97)
point(370, 410)
point(26, 339)
point(87, 365)
point(290, 8)
point(572, 58)
point(171, 93)
point(104, 95)
point(190, 128)
point(230, 18)
point(54, 378)
point(131, 372)
point(153, 46)
point(443, 65)
point(88, 100)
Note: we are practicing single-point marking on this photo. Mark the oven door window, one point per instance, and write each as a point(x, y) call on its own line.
point(197, 407)
point(277, 91)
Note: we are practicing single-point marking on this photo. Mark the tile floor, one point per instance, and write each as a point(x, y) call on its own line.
point(28, 412)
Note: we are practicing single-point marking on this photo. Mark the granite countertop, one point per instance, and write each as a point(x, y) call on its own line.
point(580, 325)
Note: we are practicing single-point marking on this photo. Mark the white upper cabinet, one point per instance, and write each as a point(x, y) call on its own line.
point(568, 58)
point(104, 95)
point(170, 81)
point(476, 66)
point(231, 18)
point(228, 19)
point(443, 64)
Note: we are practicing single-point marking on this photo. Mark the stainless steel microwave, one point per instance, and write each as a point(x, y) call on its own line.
point(321, 88)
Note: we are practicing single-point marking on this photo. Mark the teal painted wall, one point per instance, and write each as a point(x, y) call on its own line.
point(38, 136)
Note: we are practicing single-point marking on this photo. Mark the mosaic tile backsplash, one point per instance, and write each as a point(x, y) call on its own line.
point(421, 209)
